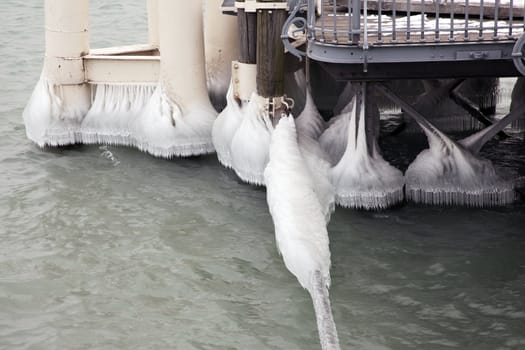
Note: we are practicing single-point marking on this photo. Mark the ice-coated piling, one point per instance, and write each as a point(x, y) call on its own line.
point(61, 99)
point(452, 173)
point(221, 48)
point(362, 178)
point(250, 144)
point(300, 227)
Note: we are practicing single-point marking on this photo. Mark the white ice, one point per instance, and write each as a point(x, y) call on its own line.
point(54, 113)
point(451, 173)
point(144, 116)
point(251, 142)
point(224, 128)
point(300, 227)
point(362, 178)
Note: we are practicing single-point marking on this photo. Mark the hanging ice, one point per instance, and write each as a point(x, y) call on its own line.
point(362, 178)
point(224, 128)
point(300, 227)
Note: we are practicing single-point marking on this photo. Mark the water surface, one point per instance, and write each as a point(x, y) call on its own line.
point(108, 248)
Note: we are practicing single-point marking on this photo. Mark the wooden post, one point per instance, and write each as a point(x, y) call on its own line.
point(247, 29)
point(270, 51)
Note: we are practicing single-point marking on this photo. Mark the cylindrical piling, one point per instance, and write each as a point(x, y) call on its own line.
point(270, 51)
point(221, 47)
point(153, 23)
point(61, 98)
point(182, 67)
point(67, 40)
point(247, 29)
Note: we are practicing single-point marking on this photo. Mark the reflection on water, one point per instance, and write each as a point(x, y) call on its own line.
point(105, 247)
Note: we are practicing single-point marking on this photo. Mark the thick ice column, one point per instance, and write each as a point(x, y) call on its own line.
point(61, 99)
point(153, 23)
point(221, 47)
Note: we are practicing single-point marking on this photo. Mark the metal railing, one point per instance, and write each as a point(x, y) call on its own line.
point(382, 22)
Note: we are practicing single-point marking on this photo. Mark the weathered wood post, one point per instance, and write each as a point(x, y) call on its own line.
point(270, 51)
point(61, 98)
point(244, 70)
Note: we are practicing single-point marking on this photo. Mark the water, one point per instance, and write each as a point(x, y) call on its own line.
point(108, 248)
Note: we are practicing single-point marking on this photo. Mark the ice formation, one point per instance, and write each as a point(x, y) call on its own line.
point(310, 122)
point(309, 127)
point(224, 128)
point(54, 113)
point(250, 144)
point(115, 107)
point(451, 173)
point(300, 226)
point(165, 129)
point(145, 117)
point(362, 178)
point(335, 138)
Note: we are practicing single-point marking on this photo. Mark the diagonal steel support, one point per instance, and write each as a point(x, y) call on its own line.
point(474, 111)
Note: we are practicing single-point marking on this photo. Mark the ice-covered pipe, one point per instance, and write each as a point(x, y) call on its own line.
point(362, 178)
point(300, 226)
point(61, 99)
point(518, 100)
point(221, 47)
point(178, 119)
point(153, 23)
point(452, 173)
point(242, 86)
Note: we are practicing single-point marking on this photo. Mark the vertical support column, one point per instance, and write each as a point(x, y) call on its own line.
point(153, 23)
point(67, 40)
point(270, 51)
point(182, 66)
point(247, 28)
point(61, 98)
point(221, 47)
point(244, 71)
point(517, 102)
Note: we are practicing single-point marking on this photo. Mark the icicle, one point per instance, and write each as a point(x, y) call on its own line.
point(250, 144)
point(310, 122)
point(518, 99)
point(362, 178)
point(164, 129)
point(54, 113)
point(114, 108)
point(300, 227)
point(143, 116)
point(319, 167)
point(224, 128)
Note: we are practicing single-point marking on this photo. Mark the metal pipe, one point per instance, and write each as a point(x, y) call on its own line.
point(394, 21)
point(153, 23)
point(379, 24)
point(408, 21)
point(451, 38)
point(466, 18)
point(481, 16)
point(422, 20)
point(67, 40)
point(496, 16)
